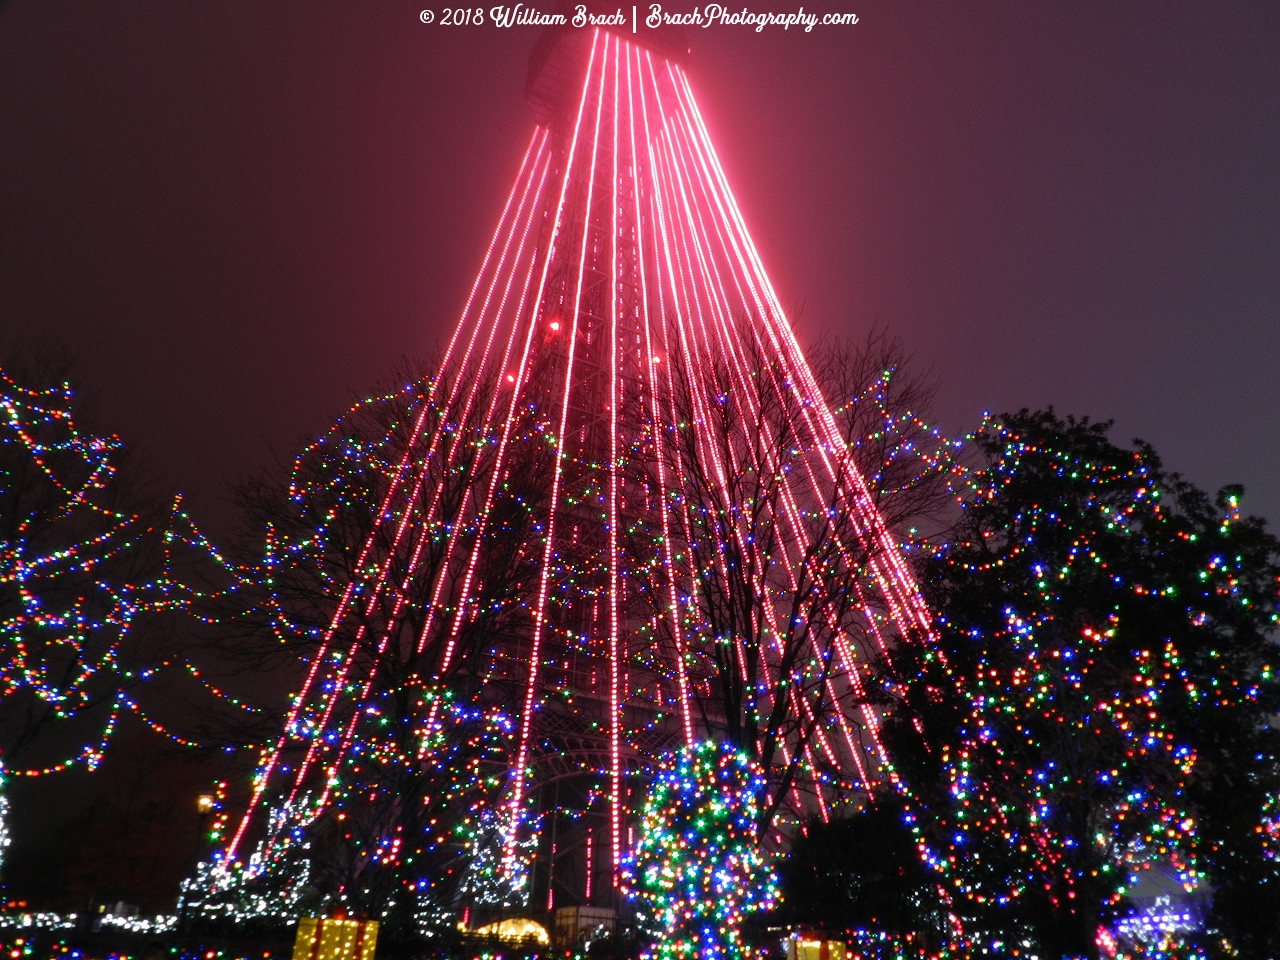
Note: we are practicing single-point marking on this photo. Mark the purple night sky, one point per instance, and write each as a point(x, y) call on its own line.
point(240, 216)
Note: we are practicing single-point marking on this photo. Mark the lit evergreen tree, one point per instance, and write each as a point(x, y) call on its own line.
point(1109, 627)
point(1104, 705)
point(698, 870)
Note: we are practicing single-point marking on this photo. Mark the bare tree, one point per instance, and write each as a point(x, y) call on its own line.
point(767, 588)
point(882, 401)
point(389, 593)
point(95, 576)
point(402, 553)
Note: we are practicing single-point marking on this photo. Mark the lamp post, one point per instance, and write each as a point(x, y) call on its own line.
point(206, 803)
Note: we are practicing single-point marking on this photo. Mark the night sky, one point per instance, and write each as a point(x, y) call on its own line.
point(240, 216)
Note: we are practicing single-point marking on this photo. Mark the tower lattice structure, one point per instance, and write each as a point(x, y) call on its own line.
point(694, 510)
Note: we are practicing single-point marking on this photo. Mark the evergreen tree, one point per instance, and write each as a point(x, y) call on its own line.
point(1103, 706)
point(698, 871)
point(1109, 632)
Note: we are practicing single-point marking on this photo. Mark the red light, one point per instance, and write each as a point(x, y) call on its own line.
point(683, 252)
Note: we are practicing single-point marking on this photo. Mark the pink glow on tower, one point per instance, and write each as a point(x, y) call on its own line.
point(621, 258)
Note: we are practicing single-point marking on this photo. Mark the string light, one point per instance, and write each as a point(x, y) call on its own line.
point(621, 273)
point(698, 870)
point(70, 562)
point(1078, 652)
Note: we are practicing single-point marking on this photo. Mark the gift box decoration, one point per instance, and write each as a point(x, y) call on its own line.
point(334, 938)
point(812, 948)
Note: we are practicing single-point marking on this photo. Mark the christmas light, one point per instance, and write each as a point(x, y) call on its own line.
point(698, 869)
point(84, 579)
point(1104, 625)
point(620, 303)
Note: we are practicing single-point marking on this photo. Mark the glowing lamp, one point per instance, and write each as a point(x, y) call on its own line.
point(516, 930)
point(204, 803)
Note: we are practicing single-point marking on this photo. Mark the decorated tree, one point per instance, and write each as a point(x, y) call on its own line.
point(102, 588)
point(395, 750)
point(98, 585)
point(1102, 712)
point(697, 871)
point(882, 400)
point(768, 583)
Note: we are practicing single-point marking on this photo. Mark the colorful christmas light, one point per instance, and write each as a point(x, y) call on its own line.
point(698, 870)
point(80, 577)
point(1094, 655)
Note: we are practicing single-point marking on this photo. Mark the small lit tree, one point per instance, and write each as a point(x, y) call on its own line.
point(697, 870)
point(98, 583)
point(80, 569)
